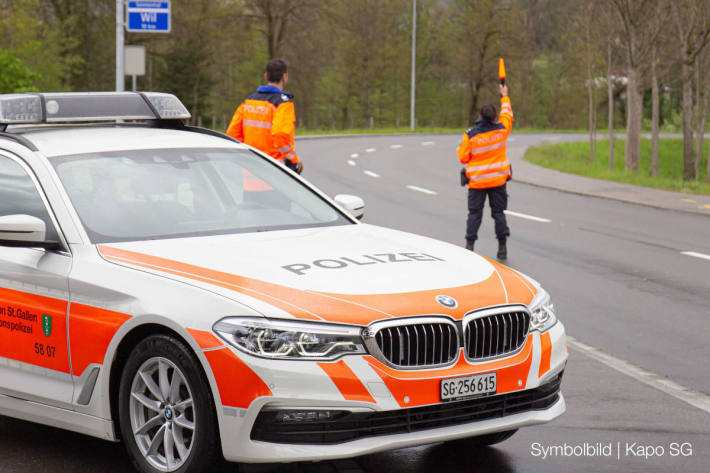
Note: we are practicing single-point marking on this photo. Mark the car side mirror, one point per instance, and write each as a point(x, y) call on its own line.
point(24, 231)
point(354, 204)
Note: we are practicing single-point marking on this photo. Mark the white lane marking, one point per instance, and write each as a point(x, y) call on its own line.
point(396, 146)
point(354, 155)
point(371, 174)
point(427, 143)
point(526, 216)
point(697, 255)
point(351, 162)
point(421, 189)
point(687, 395)
point(370, 150)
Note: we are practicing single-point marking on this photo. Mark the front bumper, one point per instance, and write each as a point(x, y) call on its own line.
point(384, 421)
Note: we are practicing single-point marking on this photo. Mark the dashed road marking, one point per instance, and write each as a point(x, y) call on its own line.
point(370, 150)
point(354, 155)
point(428, 143)
point(526, 216)
point(687, 395)
point(697, 255)
point(692, 201)
point(705, 206)
point(351, 162)
point(370, 173)
point(421, 189)
point(396, 146)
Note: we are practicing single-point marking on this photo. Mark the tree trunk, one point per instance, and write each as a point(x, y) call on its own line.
point(610, 92)
point(592, 106)
point(688, 158)
point(633, 123)
point(701, 117)
point(654, 114)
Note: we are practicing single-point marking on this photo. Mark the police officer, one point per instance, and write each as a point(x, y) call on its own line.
point(266, 120)
point(482, 150)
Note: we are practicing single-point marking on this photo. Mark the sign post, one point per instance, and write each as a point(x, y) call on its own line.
point(119, 46)
point(139, 16)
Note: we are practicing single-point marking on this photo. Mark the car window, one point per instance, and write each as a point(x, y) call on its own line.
point(168, 193)
point(19, 195)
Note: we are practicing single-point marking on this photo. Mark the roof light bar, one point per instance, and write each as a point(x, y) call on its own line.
point(89, 106)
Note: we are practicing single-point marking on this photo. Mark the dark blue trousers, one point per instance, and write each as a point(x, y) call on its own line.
point(498, 200)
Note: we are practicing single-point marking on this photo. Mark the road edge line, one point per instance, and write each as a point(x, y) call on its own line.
point(694, 398)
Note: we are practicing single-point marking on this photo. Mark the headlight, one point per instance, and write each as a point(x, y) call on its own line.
point(289, 340)
point(543, 312)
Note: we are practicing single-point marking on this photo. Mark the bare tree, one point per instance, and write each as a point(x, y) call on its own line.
point(654, 112)
point(702, 97)
point(483, 26)
point(610, 102)
point(274, 17)
point(692, 23)
point(639, 33)
point(591, 82)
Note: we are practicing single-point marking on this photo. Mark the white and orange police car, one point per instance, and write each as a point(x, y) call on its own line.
point(174, 289)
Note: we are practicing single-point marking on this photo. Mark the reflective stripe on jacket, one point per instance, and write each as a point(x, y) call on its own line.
point(266, 120)
point(482, 150)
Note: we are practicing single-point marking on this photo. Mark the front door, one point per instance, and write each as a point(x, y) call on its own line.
point(34, 295)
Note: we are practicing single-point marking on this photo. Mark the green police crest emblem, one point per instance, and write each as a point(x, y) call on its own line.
point(47, 325)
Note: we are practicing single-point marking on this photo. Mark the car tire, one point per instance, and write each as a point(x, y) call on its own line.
point(166, 409)
point(485, 440)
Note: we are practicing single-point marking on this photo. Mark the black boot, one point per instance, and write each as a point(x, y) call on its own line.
point(502, 250)
point(469, 244)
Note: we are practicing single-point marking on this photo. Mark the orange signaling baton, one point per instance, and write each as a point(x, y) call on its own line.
point(501, 71)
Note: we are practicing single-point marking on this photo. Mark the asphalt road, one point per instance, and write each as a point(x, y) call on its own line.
point(637, 307)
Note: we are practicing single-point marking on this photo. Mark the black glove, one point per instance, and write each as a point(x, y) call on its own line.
point(464, 177)
point(295, 167)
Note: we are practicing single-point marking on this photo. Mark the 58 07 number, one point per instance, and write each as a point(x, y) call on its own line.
point(45, 350)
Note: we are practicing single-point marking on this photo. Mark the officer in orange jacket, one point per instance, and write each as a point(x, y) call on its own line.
point(482, 150)
point(266, 120)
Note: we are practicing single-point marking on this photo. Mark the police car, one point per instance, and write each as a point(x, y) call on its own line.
point(171, 288)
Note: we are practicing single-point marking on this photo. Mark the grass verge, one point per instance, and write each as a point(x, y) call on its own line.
point(573, 158)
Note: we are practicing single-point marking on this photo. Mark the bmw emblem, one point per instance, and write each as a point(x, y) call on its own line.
point(447, 301)
point(168, 413)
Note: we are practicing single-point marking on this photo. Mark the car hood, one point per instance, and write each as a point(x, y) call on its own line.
point(352, 274)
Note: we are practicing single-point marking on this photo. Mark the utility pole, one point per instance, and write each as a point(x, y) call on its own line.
point(414, 63)
point(120, 67)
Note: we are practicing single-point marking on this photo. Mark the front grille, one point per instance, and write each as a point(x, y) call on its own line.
point(495, 335)
point(356, 425)
point(419, 344)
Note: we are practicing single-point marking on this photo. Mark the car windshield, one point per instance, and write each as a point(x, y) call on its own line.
point(171, 193)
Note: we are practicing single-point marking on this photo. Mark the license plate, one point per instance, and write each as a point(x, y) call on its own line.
point(468, 386)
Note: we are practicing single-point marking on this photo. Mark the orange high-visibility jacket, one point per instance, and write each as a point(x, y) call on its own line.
point(266, 120)
point(482, 150)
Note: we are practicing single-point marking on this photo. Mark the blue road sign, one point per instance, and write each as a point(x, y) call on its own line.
point(148, 17)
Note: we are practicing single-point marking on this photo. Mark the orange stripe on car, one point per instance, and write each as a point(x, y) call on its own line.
point(518, 290)
point(546, 345)
point(33, 329)
point(347, 381)
point(422, 387)
point(238, 385)
point(217, 278)
point(90, 332)
point(359, 309)
point(204, 339)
